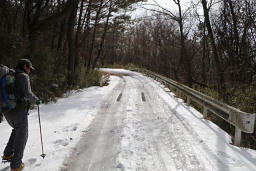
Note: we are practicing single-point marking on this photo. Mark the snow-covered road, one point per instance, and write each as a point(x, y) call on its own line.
point(143, 127)
point(134, 124)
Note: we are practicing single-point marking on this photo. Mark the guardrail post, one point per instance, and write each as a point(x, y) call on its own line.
point(170, 88)
point(188, 100)
point(101, 81)
point(205, 113)
point(237, 137)
point(177, 92)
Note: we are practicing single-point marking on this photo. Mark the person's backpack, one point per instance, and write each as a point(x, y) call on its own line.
point(7, 86)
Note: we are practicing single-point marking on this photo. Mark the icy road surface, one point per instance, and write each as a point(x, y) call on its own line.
point(143, 127)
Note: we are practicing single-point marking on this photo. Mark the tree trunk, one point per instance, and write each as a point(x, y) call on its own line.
point(204, 56)
point(87, 24)
point(221, 85)
point(77, 44)
point(234, 18)
point(185, 59)
point(4, 7)
point(94, 37)
point(63, 28)
point(103, 36)
point(71, 48)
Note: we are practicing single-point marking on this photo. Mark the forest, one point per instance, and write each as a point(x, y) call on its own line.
point(206, 44)
point(64, 39)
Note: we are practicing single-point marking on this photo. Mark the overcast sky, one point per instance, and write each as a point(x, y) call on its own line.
point(168, 4)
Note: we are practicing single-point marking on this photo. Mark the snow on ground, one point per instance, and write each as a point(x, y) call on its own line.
point(63, 123)
point(117, 71)
point(206, 146)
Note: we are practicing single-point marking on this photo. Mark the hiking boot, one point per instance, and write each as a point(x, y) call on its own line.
point(7, 158)
point(19, 168)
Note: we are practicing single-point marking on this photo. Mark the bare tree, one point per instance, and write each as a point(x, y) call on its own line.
point(218, 64)
point(71, 45)
point(185, 60)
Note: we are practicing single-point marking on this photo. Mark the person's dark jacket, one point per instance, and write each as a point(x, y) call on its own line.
point(23, 92)
point(1, 117)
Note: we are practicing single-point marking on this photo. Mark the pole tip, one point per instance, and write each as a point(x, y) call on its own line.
point(43, 155)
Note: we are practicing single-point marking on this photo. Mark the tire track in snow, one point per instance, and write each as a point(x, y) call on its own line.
point(177, 136)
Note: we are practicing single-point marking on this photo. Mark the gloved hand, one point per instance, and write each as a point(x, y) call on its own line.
point(38, 102)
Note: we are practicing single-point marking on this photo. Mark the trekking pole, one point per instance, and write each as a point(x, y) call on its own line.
point(42, 155)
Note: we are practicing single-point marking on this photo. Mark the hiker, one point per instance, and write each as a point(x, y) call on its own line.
point(18, 117)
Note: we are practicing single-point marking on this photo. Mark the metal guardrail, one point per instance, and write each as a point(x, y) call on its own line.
point(243, 122)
